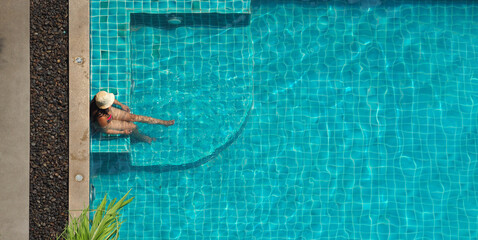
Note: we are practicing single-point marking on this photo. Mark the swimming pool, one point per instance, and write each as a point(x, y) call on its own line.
point(335, 120)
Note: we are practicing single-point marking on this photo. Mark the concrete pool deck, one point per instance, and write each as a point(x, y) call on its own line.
point(15, 119)
point(79, 98)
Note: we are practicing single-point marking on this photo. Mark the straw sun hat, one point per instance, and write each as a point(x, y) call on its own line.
point(104, 100)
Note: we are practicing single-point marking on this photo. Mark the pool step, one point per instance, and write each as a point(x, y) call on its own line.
point(161, 155)
point(194, 6)
point(102, 143)
point(231, 6)
point(198, 72)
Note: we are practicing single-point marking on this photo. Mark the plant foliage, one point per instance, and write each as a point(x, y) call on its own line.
point(105, 223)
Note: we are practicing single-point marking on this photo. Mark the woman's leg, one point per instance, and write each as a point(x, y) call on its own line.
point(141, 137)
point(119, 114)
point(124, 125)
point(120, 125)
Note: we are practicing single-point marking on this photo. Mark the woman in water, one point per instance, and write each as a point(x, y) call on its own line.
point(112, 120)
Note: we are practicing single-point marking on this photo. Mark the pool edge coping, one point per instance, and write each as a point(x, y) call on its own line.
point(79, 132)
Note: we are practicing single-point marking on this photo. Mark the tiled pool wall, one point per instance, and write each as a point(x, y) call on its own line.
point(110, 47)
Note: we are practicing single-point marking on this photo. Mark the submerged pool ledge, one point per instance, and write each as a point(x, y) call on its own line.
point(79, 156)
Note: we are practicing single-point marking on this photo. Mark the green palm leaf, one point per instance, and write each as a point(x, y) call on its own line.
point(104, 226)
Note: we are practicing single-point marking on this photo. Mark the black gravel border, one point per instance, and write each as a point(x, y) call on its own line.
point(48, 118)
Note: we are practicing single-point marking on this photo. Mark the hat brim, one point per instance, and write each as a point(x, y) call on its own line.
point(109, 103)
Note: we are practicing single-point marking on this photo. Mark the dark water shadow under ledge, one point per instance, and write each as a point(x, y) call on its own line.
point(162, 21)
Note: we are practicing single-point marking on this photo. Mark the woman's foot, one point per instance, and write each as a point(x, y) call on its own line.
point(150, 139)
point(167, 123)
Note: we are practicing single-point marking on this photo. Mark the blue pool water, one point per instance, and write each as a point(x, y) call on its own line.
point(325, 120)
point(189, 73)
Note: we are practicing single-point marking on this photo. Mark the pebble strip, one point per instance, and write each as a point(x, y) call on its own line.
point(48, 118)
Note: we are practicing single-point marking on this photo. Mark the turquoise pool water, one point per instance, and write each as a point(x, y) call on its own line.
point(315, 120)
point(198, 74)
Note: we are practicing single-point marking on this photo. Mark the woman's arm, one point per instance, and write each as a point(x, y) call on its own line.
point(124, 107)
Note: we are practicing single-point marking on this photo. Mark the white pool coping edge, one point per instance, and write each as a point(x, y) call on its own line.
point(79, 87)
